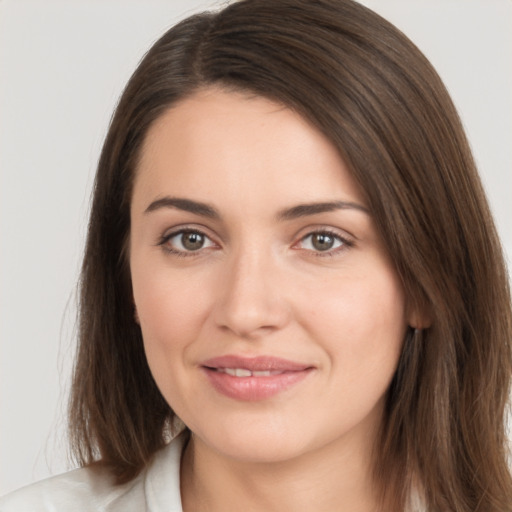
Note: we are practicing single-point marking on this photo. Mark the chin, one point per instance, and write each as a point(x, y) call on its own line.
point(261, 449)
point(269, 440)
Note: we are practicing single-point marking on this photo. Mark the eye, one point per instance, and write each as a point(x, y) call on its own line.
point(323, 242)
point(186, 241)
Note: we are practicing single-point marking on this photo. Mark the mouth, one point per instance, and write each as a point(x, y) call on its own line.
point(253, 379)
point(244, 372)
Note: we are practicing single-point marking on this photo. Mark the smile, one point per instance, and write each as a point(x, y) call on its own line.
point(243, 372)
point(253, 379)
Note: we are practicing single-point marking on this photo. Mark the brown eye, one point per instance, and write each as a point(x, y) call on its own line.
point(322, 241)
point(183, 242)
point(192, 241)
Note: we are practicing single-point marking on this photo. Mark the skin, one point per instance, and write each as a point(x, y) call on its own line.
point(260, 286)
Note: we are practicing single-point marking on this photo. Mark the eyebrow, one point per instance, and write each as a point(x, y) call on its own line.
point(295, 212)
point(187, 205)
point(304, 210)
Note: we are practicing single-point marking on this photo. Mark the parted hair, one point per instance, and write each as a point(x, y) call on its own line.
point(372, 93)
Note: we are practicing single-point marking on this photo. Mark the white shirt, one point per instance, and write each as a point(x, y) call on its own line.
point(155, 489)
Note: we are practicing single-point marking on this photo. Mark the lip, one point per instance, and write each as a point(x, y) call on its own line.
point(283, 375)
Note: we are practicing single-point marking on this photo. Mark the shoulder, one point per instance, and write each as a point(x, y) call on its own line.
point(81, 490)
point(156, 489)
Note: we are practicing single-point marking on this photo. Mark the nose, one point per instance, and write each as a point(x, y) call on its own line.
point(252, 296)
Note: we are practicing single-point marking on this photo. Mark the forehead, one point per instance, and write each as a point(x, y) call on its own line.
point(235, 144)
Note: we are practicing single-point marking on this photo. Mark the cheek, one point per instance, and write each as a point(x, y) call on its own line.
point(172, 310)
point(361, 322)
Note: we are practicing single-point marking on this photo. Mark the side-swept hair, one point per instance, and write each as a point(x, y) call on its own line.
point(367, 88)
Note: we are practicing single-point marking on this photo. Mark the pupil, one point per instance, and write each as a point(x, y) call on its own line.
point(323, 242)
point(192, 241)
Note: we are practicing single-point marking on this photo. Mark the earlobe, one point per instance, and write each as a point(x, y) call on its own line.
point(419, 317)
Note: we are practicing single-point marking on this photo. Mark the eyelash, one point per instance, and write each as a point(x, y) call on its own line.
point(177, 252)
point(345, 243)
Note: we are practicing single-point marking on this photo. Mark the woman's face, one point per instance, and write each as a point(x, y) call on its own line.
point(272, 316)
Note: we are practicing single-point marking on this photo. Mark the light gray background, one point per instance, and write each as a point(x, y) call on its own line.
point(63, 65)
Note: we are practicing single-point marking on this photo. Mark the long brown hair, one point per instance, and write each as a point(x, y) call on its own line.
point(376, 97)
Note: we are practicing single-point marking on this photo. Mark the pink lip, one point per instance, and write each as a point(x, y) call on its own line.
point(253, 388)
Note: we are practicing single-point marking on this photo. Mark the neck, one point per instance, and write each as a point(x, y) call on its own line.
point(336, 477)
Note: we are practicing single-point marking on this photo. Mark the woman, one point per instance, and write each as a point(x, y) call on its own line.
point(290, 260)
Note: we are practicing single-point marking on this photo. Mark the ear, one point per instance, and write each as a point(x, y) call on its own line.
point(419, 316)
point(136, 315)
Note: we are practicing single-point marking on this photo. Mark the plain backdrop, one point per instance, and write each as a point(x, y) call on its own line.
point(63, 65)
